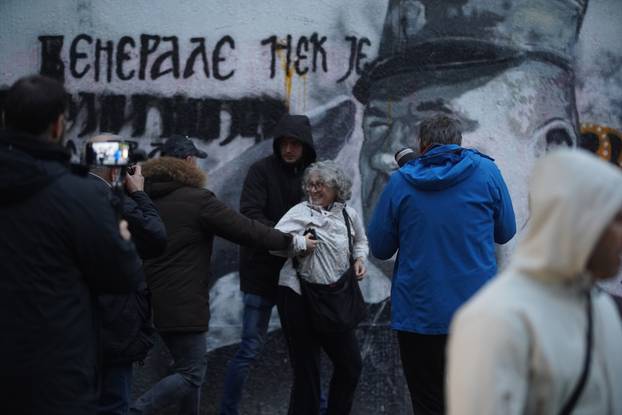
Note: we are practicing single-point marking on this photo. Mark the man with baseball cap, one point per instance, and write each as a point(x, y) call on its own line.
point(181, 147)
point(179, 279)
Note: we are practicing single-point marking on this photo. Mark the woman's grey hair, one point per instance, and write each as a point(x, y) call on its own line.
point(332, 175)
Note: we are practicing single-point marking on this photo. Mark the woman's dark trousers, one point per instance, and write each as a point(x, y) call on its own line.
point(304, 345)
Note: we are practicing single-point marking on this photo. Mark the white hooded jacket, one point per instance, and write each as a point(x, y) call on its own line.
point(518, 346)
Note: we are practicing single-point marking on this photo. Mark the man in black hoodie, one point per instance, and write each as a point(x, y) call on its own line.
point(272, 186)
point(60, 244)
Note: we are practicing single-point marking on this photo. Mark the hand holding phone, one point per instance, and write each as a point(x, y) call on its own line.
point(135, 181)
point(311, 240)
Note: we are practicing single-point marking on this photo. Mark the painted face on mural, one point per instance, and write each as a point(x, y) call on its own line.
point(512, 114)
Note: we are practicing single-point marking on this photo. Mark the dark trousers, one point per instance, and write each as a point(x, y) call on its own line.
point(257, 311)
point(183, 386)
point(304, 345)
point(423, 361)
point(115, 389)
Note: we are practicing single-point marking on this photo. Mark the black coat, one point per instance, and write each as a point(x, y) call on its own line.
point(125, 319)
point(271, 188)
point(145, 225)
point(179, 279)
point(59, 246)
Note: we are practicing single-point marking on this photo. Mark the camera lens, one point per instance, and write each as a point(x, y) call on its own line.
point(404, 155)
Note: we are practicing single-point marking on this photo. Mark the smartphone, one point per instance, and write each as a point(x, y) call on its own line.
point(108, 153)
point(310, 231)
point(131, 169)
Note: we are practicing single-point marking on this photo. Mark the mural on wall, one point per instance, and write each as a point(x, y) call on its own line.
point(523, 76)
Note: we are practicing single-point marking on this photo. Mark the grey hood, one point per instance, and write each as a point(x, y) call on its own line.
point(573, 196)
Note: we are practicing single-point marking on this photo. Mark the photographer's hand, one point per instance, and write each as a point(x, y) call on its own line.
point(135, 182)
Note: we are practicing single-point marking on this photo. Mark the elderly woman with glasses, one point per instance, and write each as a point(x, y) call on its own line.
point(322, 254)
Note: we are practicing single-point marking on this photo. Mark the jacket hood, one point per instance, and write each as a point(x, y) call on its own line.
point(28, 165)
point(298, 127)
point(573, 196)
point(165, 174)
point(441, 167)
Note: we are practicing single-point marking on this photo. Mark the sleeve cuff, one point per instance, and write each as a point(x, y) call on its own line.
point(299, 243)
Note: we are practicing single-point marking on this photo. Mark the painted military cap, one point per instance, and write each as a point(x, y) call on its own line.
point(428, 36)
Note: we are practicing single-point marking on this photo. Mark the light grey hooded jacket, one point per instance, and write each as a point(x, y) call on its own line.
point(518, 346)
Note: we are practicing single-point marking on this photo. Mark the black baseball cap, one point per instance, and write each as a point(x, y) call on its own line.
point(180, 146)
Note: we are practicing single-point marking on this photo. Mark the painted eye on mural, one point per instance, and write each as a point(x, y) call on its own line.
point(376, 128)
point(552, 134)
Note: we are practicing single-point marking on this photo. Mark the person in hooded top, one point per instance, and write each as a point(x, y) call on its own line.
point(520, 346)
point(272, 186)
point(442, 213)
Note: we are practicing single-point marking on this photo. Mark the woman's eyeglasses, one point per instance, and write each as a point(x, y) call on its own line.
point(315, 185)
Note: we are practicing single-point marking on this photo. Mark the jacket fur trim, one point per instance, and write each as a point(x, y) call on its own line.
point(174, 169)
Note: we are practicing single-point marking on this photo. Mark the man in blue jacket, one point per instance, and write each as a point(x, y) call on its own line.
point(442, 213)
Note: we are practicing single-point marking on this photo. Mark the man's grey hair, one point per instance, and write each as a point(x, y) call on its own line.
point(332, 175)
point(104, 136)
point(440, 129)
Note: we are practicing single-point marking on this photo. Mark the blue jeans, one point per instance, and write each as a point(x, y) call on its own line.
point(184, 385)
point(115, 391)
point(257, 310)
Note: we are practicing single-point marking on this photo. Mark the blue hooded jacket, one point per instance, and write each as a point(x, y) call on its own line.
point(442, 213)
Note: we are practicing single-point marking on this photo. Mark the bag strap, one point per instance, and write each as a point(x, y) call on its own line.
point(578, 389)
point(346, 218)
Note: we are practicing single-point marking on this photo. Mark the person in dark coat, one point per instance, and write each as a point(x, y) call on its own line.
point(60, 245)
point(125, 319)
point(272, 186)
point(179, 279)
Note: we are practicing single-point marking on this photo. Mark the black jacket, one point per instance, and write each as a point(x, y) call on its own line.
point(126, 326)
point(270, 189)
point(179, 279)
point(145, 225)
point(59, 246)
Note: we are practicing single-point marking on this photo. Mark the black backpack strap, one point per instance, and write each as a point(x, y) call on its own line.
point(346, 218)
point(578, 389)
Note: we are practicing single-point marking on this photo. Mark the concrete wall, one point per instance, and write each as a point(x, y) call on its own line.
point(522, 75)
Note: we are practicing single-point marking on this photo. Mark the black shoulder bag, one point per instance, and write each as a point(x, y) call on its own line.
point(336, 307)
point(578, 389)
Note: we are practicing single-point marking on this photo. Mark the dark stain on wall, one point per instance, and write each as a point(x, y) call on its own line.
point(194, 117)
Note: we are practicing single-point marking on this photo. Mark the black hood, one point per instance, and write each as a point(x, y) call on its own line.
point(298, 127)
point(28, 165)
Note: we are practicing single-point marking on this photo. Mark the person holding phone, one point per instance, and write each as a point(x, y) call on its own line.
point(127, 332)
